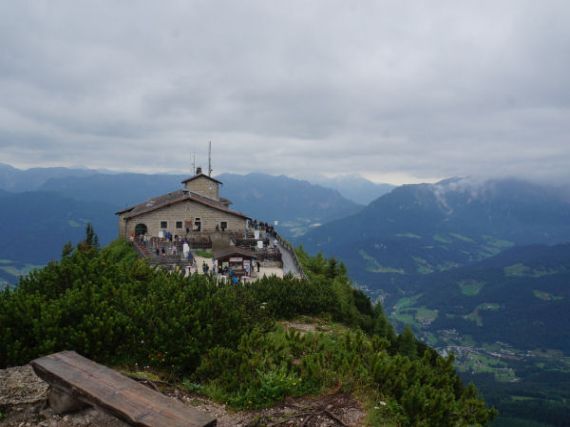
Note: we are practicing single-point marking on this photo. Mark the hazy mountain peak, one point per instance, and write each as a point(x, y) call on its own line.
point(467, 190)
point(5, 166)
point(354, 187)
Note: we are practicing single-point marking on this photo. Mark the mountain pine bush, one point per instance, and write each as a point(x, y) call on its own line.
point(225, 341)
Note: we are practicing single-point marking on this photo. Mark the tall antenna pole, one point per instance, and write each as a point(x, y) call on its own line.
point(210, 158)
point(194, 163)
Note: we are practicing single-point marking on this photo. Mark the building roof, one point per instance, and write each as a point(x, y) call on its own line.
point(173, 198)
point(222, 254)
point(201, 175)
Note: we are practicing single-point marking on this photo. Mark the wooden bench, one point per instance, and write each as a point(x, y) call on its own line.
point(85, 381)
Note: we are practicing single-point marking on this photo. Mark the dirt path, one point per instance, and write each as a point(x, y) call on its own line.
point(23, 403)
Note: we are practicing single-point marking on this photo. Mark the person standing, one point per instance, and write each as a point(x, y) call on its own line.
point(247, 267)
point(185, 250)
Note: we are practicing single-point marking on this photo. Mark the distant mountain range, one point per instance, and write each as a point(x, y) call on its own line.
point(425, 228)
point(18, 180)
point(120, 190)
point(34, 226)
point(354, 187)
point(298, 205)
point(43, 208)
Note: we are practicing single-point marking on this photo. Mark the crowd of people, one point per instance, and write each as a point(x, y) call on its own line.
point(175, 251)
point(166, 245)
point(171, 246)
point(264, 226)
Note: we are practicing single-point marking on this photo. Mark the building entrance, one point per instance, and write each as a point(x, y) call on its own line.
point(140, 229)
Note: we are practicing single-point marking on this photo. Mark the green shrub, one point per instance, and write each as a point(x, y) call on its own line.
point(114, 308)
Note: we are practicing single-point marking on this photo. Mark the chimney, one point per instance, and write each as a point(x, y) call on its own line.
point(198, 170)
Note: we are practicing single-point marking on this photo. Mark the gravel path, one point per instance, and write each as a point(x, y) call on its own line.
point(23, 403)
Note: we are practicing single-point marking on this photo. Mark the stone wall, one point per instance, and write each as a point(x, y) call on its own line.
point(185, 212)
point(122, 226)
point(204, 187)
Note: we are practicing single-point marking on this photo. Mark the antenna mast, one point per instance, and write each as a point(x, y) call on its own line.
point(193, 163)
point(210, 159)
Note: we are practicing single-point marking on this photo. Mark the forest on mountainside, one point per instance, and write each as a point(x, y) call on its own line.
point(226, 341)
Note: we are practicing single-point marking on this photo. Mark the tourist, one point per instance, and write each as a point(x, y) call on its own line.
point(186, 250)
point(247, 267)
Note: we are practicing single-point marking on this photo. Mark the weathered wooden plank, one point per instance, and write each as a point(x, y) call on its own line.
point(123, 397)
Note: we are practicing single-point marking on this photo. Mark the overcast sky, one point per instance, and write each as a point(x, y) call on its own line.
point(398, 91)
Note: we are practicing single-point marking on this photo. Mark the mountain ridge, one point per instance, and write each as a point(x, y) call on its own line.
point(444, 225)
point(354, 187)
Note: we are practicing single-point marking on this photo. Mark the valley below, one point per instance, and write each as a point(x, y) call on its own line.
point(505, 321)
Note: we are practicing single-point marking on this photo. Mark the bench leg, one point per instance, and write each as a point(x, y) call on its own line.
point(62, 402)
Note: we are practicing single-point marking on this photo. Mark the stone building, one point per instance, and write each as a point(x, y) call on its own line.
point(196, 209)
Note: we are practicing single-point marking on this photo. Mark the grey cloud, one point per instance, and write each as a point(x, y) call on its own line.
point(423, 91)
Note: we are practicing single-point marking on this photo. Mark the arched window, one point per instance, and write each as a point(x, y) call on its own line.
point(140, 229)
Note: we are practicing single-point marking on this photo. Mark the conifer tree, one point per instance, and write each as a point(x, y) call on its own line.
point(407, 343)
point(67, 250)
point(382, 327)
point(331, 268)
point(90, 235)
point(91, 240)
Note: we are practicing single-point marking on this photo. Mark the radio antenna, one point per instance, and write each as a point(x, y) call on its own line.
point(210, 159)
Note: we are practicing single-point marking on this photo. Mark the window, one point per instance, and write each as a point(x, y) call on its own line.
point(163, 224)
point(197, 224)
point(223, 225)
point(178, 224)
